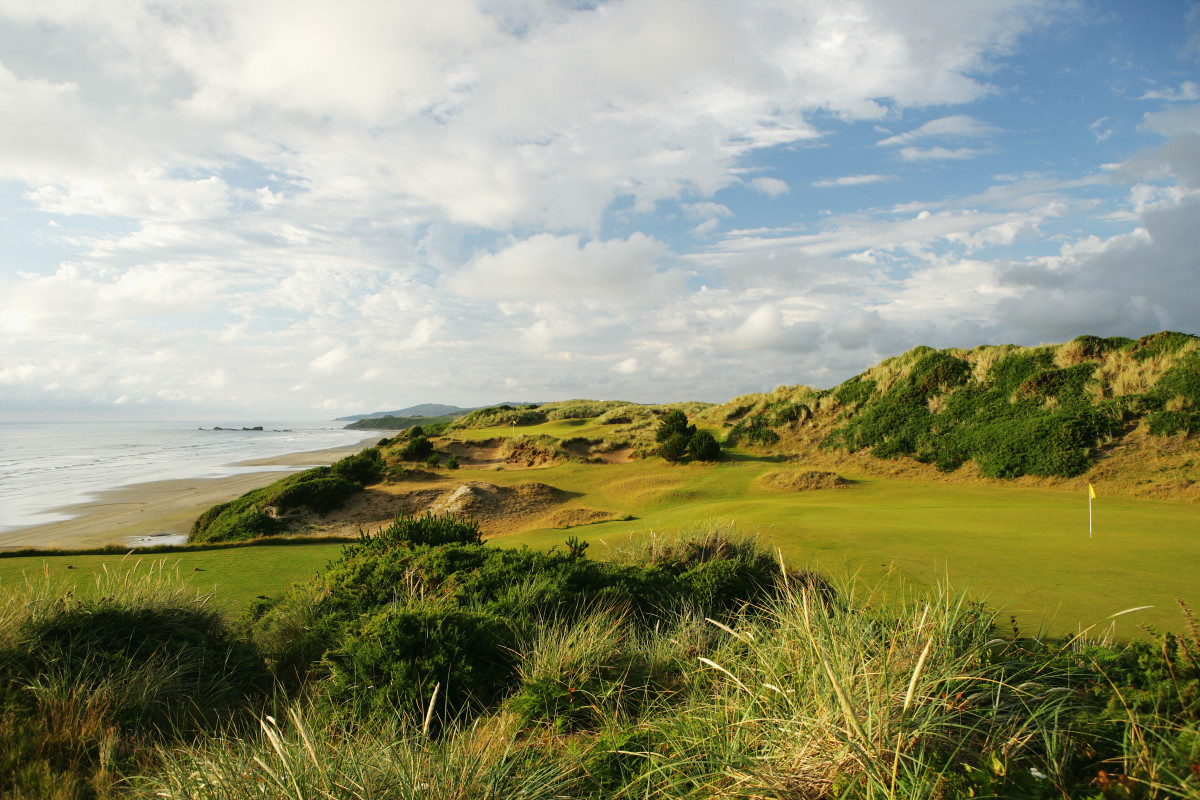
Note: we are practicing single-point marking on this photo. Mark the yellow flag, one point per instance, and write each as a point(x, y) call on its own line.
point(1091, 492)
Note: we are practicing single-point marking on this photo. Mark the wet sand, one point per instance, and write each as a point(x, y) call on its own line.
point(160, 512)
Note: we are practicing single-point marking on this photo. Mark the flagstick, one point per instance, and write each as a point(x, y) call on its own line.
point(1089, 512)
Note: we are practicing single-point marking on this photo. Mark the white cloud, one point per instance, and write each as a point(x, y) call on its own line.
point(560, 266)
point(771, 187)
point(939, 153)
point(1188, 91)
point(766, 329)
point(628, 366)
point(852, 180)
point(959, 126)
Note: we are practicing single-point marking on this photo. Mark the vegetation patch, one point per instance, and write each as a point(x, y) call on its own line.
point(263, 512)
point(1026, 416)
point(389, 423)
point(801, 480)
point(499, 415)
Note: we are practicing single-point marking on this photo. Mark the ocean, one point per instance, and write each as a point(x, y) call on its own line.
point(47, 465)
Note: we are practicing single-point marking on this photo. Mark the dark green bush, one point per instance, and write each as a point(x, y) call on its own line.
point(854, 391)
point(365, 467)
point(787, 413)
point(394, 659)
point(428, 529)
point(500, 415)
point(417, 448)
point(703, 447)
point(562, 706)
point(673, 423)
point(674, 448)
point(320, 494)
point(755, 429)
point(1159, 344)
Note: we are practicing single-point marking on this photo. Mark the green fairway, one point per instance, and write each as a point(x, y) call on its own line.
point(234, 576)
point(1026, 550)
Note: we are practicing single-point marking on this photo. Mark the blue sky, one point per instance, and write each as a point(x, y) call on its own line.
point(303, 209)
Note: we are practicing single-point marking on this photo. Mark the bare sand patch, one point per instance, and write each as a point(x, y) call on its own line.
point(498, 509)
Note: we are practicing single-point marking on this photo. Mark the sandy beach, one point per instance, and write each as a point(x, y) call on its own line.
point(160, 512)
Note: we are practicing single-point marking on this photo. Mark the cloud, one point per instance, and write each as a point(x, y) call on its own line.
point(560, 266)
point(766, 329)
point(771, 187)
point(1173, 121)
point(939, 153)
point(1188, 91)
point(959, 126)
point(853, 180)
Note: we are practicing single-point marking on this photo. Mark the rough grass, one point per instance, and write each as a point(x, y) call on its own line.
point(815, 690)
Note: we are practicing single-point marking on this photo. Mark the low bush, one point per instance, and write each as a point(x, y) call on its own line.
point(84, 681)
point(417, 448)
point(394, 660)
point(703, 447)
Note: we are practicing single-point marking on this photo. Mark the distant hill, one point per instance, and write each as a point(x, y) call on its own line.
point(432, 425)
point(422, 410)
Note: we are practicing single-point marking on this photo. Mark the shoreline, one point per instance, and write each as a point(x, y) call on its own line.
point(161, 512)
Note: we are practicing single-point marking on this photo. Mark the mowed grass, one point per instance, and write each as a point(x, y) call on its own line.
point(234, 576)
point(1024, 550)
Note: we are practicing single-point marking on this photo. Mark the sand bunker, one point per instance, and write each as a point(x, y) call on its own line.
point(801, 480)
point(499, 509)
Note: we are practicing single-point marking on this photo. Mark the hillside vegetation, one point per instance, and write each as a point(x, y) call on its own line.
point(1049, 411)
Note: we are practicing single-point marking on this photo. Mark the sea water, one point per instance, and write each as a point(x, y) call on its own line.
point(45, 466)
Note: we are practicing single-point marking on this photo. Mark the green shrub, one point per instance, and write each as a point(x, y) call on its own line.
point(754, 429)
point(452, 462)
point(427, 530)
point(674, 448)
point(417, 448)
point(394, 660)
point(854, 391)
point(320, 494)
point(365, 467)
point(499, 415)
point(673, 423)
point(703, 447)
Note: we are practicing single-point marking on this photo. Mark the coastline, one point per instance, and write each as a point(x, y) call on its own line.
point(161, 512)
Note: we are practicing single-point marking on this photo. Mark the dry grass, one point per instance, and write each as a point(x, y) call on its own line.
point(801, 480)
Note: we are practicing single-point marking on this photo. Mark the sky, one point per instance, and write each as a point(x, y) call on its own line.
point(302, 210)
